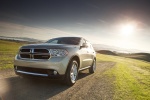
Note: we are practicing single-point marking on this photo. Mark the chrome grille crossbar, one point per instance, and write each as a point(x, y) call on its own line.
point(34, 53)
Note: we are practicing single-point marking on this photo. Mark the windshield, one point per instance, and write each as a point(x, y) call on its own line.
point(65, 40)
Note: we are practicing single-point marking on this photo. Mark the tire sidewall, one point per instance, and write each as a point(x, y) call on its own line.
point(68, 78)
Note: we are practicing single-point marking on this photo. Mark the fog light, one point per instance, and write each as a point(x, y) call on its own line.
point(55, 72)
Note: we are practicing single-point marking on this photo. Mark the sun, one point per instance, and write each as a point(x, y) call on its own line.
point(126, 34)
point(127, 29)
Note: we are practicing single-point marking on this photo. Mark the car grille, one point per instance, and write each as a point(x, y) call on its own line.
point(34, 54)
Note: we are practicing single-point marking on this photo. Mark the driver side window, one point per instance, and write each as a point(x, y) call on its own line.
point(84, 41)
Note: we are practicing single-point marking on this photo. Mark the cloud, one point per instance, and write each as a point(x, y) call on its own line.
point(102, 21)
point(16, 30)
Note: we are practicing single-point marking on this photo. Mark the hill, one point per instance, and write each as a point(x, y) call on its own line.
point(140, 56)
point(106, 52)
point(98, 47)
point(8, 50)
point(115, 78)
point(21, 39)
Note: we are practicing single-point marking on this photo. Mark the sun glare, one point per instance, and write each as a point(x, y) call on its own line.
point(127, 29)
point(126, 34)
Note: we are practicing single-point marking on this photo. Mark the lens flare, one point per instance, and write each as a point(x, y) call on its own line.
point(127, 29)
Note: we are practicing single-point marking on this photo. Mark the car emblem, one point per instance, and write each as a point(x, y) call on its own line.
point(32, 53)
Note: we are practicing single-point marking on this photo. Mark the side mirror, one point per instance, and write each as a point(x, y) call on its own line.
point(84, 45)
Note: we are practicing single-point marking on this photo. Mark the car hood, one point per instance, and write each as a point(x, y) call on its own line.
point(50, 46)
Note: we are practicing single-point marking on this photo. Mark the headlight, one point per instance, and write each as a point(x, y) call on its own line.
point(58, 52)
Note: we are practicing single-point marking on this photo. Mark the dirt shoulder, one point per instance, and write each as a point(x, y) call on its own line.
point(88, 87)
point(7, 73)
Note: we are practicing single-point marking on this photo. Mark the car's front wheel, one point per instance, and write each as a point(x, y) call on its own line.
point(72, 73)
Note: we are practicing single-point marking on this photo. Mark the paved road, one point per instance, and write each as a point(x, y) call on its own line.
point(88, 87)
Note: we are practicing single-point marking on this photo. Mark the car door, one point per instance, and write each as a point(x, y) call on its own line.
point(90, 54)
point(85, 55)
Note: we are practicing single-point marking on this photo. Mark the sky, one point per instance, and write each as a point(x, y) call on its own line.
point(120, 23)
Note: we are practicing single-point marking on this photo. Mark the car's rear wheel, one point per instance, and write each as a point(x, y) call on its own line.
point(93, 67)
point(72, 73)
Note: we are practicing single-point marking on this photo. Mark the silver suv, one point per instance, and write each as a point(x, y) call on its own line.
point(60, 57)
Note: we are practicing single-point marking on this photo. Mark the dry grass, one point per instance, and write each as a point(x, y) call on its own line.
point(8, 50)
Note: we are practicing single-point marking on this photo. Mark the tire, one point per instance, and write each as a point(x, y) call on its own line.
point(93, 67)
point(72, 73)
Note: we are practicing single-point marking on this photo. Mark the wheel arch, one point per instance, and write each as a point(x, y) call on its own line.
point(76, 58)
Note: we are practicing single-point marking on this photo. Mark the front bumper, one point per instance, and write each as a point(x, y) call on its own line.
point(34, 73)
point(53, 67)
